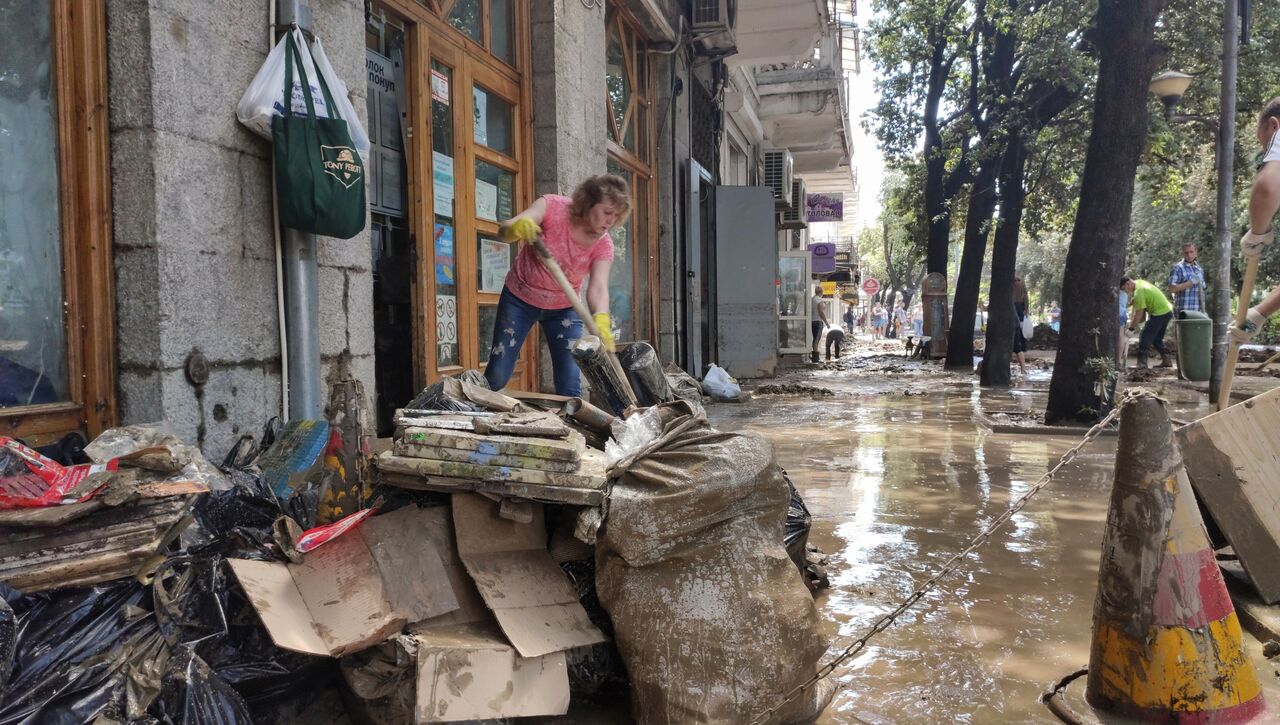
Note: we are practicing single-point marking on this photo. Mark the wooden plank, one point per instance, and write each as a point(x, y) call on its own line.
point(1260, 619)
point(99, 523)
point(567, 449)
point(530, 491)
point(591, 472)
point(456, 455)
point(91, 569)
point(1232, 457)
point(48, 516)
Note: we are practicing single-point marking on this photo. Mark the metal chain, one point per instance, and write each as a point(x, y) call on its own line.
point(887, 620)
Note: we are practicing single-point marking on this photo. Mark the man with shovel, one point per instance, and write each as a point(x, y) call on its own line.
point(1264, 201)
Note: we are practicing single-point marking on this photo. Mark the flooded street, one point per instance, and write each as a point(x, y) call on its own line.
point(899, 476)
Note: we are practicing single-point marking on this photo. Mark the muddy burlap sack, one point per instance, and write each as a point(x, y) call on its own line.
point(712, 618)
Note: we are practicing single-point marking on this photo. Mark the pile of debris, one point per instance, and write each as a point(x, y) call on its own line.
point(451, 576)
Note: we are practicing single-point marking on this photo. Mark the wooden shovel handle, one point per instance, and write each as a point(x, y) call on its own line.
point(589, 324)
point(1233, 347)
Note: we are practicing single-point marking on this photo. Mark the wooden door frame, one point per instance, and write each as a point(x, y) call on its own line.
point(428, 36)
point(84, 199)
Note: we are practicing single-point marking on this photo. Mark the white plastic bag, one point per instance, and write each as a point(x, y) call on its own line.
point(265, 96)
point(720, 385)
point(1028, 328)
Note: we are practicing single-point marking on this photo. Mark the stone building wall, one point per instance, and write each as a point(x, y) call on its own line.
point(195, 257)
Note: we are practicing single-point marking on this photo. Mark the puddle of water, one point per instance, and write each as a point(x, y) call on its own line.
point(898, 484)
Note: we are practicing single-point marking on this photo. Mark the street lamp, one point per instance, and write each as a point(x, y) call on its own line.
point(1169, 88)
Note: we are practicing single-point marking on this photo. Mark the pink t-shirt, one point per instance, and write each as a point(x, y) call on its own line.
point(532, 283)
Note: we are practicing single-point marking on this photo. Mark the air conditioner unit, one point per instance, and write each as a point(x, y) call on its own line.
point(713, 24)
point(710, 16)
point(778, 176)
point(795, 216)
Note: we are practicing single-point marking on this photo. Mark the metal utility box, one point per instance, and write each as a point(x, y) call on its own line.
point(746, 281)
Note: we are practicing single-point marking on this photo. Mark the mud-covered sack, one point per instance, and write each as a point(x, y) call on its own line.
point(712, 618)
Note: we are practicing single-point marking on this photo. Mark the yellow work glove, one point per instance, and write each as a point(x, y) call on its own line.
point(605, 325)
point(521, 230)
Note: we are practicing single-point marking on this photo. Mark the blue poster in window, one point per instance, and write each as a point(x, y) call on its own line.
point(445, 267)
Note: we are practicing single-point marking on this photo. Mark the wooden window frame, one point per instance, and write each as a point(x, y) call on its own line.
point(84, 197)
point(633, 48)
point(428, 35)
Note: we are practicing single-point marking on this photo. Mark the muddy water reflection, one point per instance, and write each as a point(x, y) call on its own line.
point(897, 484)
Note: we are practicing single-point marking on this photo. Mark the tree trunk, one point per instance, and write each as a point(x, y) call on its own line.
point(1002, 324)
point(1095, 260)
point(964, 305)
point(935, 162)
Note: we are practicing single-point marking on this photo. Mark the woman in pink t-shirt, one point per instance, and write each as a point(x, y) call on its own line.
point(576, 232)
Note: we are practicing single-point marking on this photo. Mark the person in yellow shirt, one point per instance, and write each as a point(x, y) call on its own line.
point(1149, 303)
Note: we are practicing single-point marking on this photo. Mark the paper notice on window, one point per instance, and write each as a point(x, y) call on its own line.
point(442, 183)
point(486, 201)
point(495, 262)
point(439, 87)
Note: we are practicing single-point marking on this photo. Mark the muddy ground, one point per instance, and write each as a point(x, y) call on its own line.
point(899, 474)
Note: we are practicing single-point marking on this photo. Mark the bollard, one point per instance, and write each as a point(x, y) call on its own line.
point(1167, 645)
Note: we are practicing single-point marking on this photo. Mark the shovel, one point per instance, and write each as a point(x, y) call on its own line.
point(1233, 347)
point(548, 261)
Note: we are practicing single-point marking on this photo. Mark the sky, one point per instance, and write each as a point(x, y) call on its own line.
point(866, 157)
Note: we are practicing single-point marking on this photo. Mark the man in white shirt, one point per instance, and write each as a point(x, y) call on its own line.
point(817, 320)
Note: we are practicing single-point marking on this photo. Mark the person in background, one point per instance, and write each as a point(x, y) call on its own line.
point(849, 318)
point(900, 323)
point(1149, 302)
point(817, 320)
point(835, 336)
point(1020, 313)
point(1055, 314)
point(1123, 349)
point(576, 232)
point(1186, 282)
point(917, 319)
point(878, 321)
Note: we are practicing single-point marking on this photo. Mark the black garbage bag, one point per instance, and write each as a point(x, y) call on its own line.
point(8, 636)
point(192, 693)
point(596, 673)
point(795, 534)
point(644, 372)
point(202, 610)
point(75, 653)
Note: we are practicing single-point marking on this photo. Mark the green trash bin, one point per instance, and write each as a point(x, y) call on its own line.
point(1195, 343)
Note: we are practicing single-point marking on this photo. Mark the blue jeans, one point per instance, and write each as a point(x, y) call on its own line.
point(515, 318)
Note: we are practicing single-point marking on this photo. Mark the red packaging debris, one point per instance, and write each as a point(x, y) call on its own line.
point(314, 537)
point(29, 480)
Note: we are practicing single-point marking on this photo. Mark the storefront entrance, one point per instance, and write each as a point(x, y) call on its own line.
point(452, 161)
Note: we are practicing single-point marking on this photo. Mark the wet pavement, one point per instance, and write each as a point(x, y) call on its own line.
point(899, 476)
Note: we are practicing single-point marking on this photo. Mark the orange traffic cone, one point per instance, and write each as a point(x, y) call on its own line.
point(1167, 646)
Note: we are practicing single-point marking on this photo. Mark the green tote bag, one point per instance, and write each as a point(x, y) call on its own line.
point(319, 174)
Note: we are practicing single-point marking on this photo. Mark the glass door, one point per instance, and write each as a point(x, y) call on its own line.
point(476, 163)
point(794, 298)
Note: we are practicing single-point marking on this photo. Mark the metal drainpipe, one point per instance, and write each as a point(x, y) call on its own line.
point(301, 287)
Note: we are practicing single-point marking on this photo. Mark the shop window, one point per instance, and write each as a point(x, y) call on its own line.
point(629, 122)
point(501, 21)
point(466, 16)
point(494, 121)
point(55, 265)
point(33, 336)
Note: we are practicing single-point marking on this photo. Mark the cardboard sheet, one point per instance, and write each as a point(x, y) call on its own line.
point(468, 672)
point(355, 591)
point(529, 595)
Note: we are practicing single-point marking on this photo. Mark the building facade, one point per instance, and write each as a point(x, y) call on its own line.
point(141, 272)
